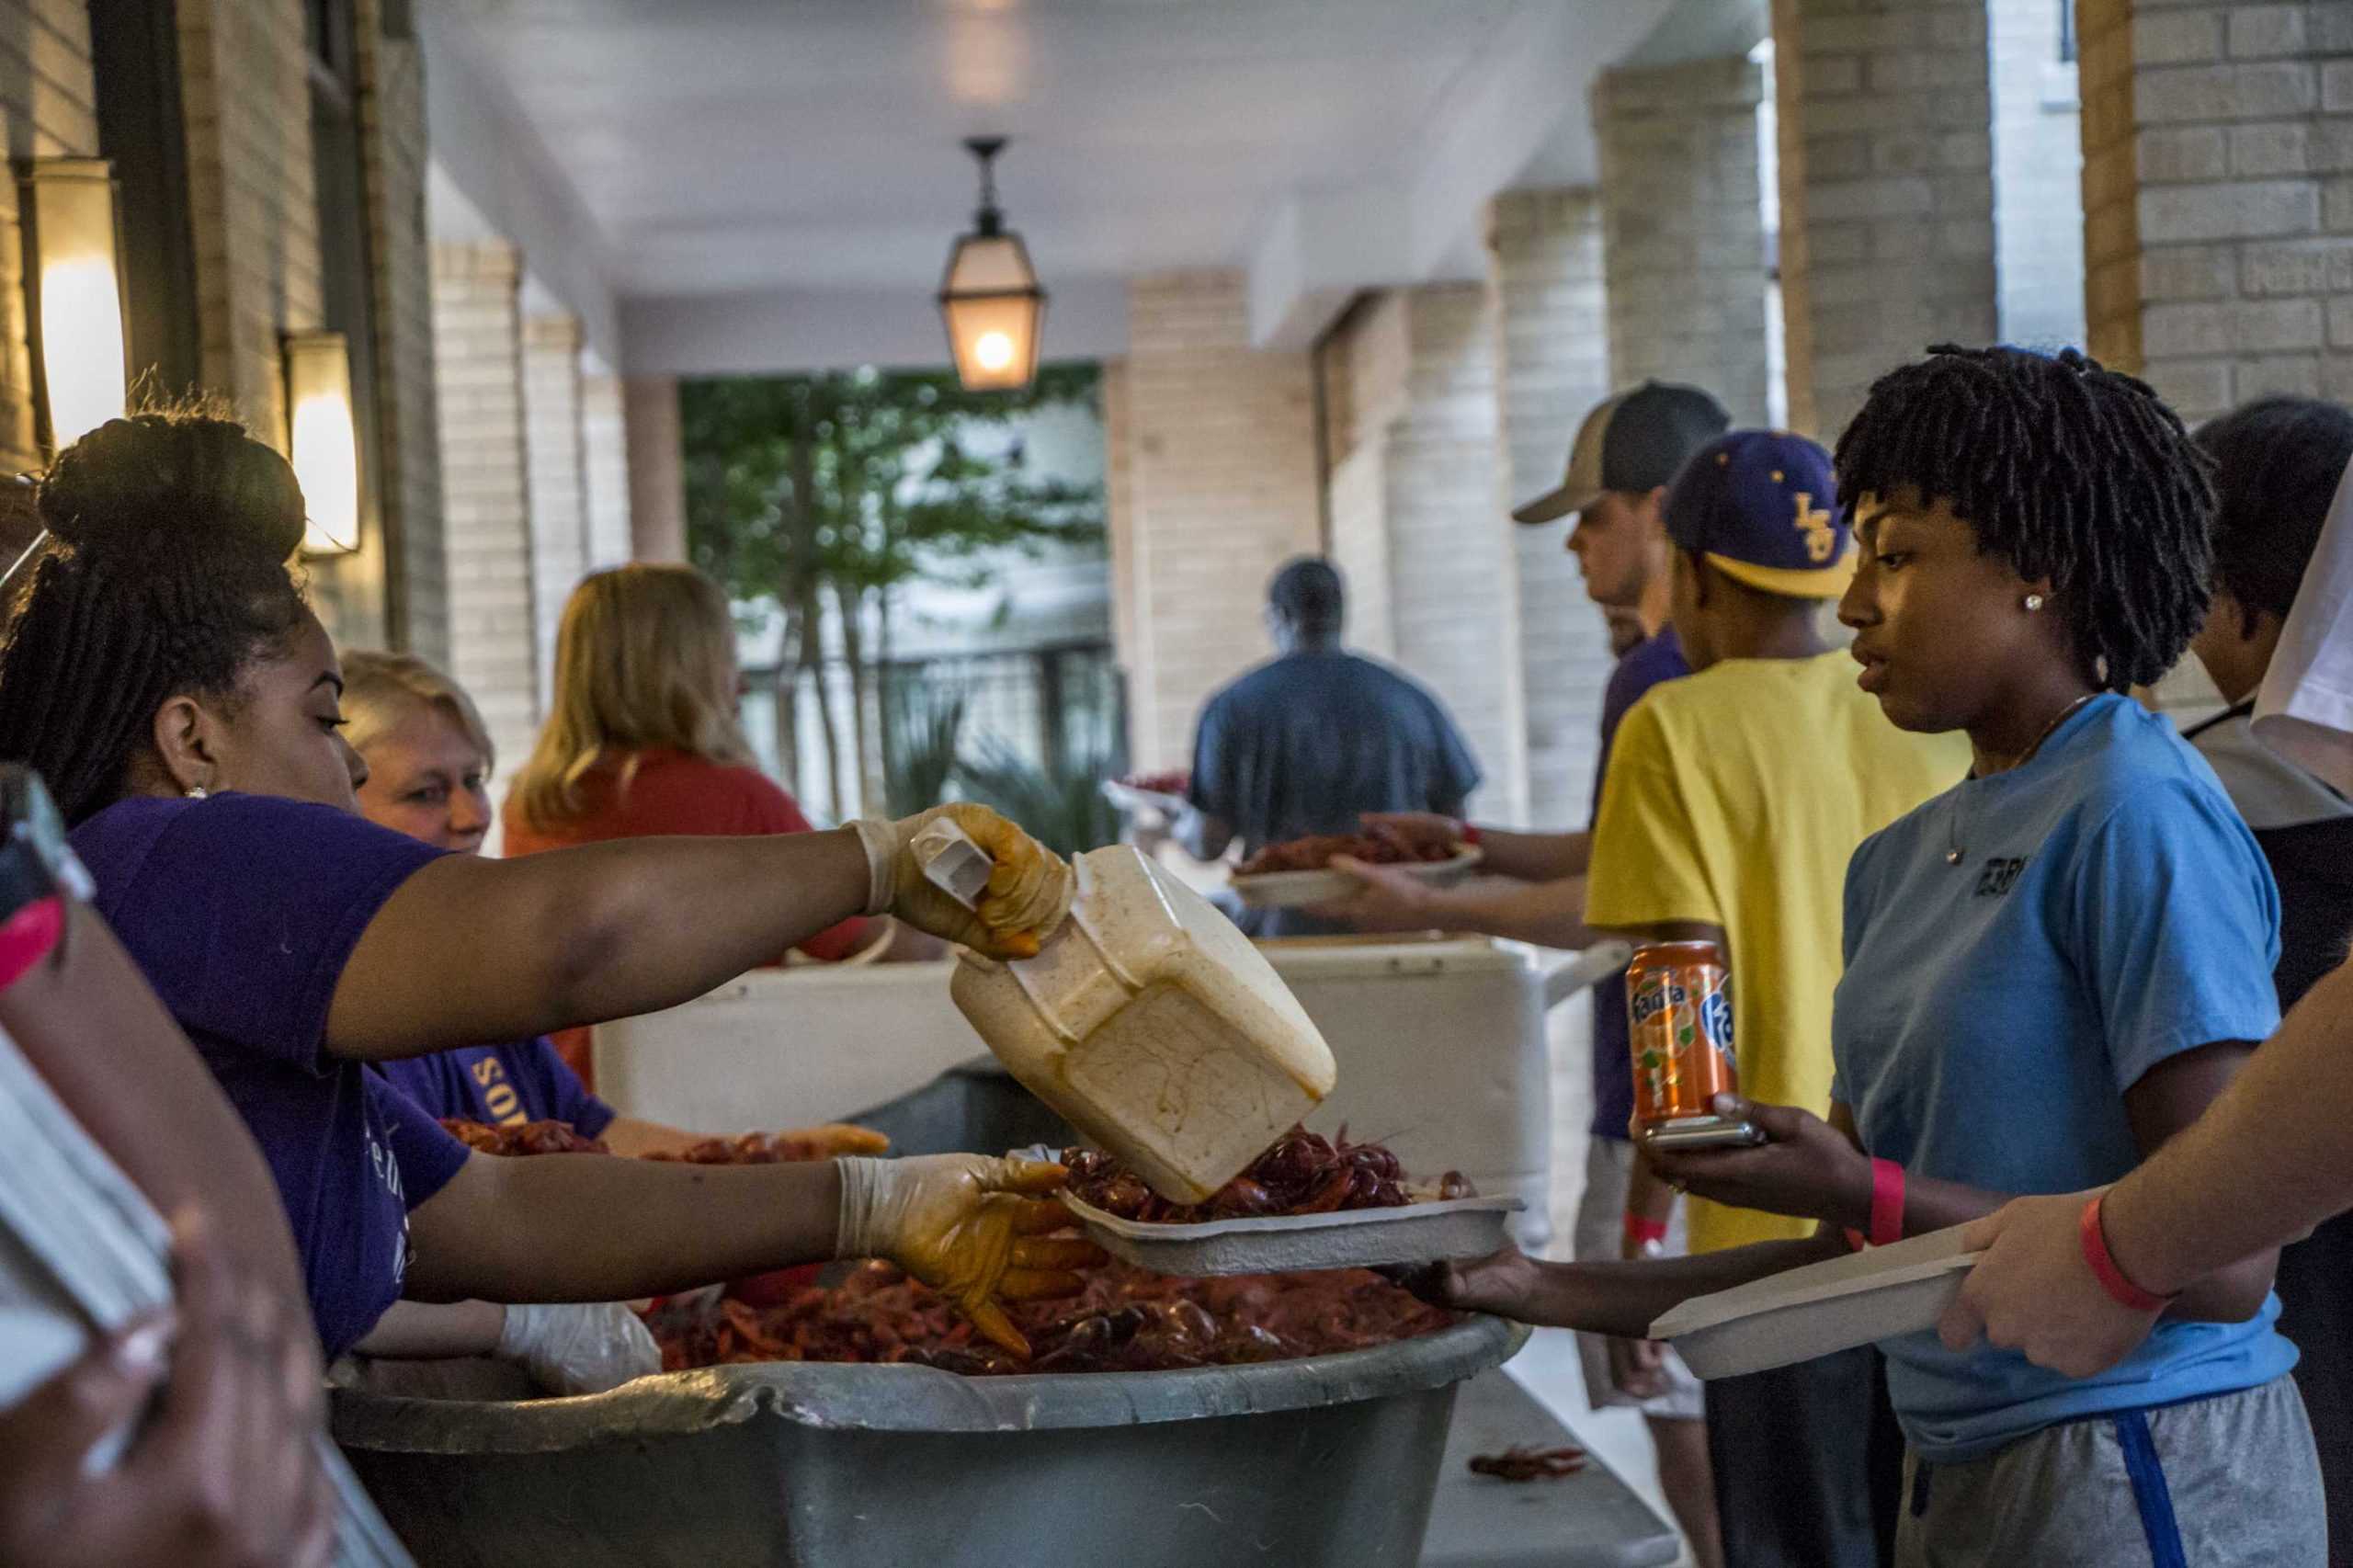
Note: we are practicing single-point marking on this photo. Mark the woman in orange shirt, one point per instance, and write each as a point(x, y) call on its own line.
point(642, 741)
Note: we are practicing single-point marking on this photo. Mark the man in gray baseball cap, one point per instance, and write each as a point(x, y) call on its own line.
point(1631, 444)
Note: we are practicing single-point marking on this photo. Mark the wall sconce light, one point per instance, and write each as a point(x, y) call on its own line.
point(324, 442)
point(991, 299)
point(76, 295)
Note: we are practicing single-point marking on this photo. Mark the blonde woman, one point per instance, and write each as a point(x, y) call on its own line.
point(641, 740)
point(428, 762)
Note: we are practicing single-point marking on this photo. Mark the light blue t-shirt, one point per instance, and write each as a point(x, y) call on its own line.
point(2110, 910)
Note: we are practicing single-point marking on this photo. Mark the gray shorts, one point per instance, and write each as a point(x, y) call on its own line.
point(2230, 1482)
point(1601, 1220)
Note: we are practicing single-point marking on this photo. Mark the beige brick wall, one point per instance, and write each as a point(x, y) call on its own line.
point(1546, 251)
point(245, 93)
point(1686, 246)
point(1417, 509)
point(1221, 486)
point(2218, 196)
point(1887, 193)
point(47, 105)
point(558, 488)
point(393, 144)
point(603, 439)
point(246, 99)
point(477, 354)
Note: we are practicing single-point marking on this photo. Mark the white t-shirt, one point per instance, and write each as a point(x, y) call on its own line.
point(2304, 707)
point(2270, 791)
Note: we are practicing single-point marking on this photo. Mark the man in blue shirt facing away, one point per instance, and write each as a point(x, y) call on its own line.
point(1315, 738)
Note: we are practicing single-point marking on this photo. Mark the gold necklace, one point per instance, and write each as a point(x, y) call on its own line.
point(1954, 853)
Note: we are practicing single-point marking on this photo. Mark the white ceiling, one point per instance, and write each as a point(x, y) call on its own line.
point(736, 149)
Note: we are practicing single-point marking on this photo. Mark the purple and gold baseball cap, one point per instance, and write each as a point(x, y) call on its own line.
point(1760, 506)
point(1635, 441)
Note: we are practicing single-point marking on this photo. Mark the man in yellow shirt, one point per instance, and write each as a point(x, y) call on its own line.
point(1734, 799)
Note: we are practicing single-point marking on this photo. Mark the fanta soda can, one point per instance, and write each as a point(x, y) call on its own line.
point(1678, 1011)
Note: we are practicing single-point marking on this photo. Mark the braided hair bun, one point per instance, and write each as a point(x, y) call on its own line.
point(168, 577)
point(171, 483)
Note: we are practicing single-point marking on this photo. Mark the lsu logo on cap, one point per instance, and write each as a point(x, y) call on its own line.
point(1821, 538)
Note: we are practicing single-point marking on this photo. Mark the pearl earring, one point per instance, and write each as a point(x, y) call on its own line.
point(2033, 602)
point(195, 791)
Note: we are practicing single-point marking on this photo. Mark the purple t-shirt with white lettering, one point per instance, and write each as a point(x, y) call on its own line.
point(500, 1085)
point(242, 910)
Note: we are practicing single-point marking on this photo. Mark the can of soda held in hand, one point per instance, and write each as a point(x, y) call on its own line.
point(1679, 1012)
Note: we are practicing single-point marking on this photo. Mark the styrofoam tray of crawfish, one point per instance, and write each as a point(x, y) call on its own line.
point(1282, 1244)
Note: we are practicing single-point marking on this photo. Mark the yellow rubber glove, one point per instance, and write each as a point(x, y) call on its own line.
point(972, 1227)
point(1027, 892)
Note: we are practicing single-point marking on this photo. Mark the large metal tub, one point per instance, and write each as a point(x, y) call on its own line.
point(1328, 1459)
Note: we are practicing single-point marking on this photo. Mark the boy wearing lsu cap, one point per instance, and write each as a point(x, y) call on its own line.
point(1626, 452)
point(1733, 801)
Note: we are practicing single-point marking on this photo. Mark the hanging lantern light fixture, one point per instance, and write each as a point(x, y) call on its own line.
point(989, 299)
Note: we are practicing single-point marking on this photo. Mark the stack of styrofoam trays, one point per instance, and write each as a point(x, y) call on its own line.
point(68, 1212)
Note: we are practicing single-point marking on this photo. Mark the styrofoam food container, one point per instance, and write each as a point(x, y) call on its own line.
point(1152, 1024)
point(1128, 797)
point(1358, 1238)
point(1288, 890)
point(1835, 1305)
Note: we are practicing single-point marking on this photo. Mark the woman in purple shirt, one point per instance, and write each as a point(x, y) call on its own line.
point(167, 675)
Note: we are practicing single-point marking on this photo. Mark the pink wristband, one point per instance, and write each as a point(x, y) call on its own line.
point(1642, 1231)
point(2120, 1290)
point(27, 937)
point(1887, 1203)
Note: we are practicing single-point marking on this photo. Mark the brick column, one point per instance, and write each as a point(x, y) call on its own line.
point(604, 438)
point(1213, 482)
point(2217, 197)
point(245, 96)
point(1546, 251)
point(558, 479)
point(1682, 208)
point(1887, 192)
point(393, 142)
point(1418, 507)
point(657, 484)
point(477, 352)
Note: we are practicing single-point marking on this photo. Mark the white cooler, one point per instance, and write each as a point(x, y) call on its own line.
point(1441, 1045)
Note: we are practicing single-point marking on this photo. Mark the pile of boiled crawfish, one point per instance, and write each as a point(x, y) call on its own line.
point(826, 1143)
point(1380, 844)
point(1304, 1173)
point(748, 1149)
point(1126, 1320)
point(524, 1138)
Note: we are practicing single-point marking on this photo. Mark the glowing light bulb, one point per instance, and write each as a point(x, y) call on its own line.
point(994, 351)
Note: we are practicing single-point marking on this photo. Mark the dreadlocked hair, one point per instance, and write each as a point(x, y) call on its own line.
point(165, 575)
point(2066, 471)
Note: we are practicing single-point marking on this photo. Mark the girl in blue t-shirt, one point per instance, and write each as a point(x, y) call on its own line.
point(164, 673)
point(2052, 967)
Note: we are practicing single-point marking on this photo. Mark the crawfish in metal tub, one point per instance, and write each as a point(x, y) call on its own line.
point(1125, 1320)
point(1304, 1173)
